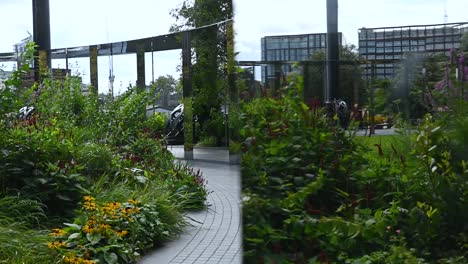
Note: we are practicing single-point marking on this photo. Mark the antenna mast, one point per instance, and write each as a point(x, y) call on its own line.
point(111, 64)
point(445, 12)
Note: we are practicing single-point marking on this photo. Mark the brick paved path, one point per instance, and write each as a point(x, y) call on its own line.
point(216, 234)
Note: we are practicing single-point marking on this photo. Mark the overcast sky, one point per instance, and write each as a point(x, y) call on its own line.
point(257, 18)
point(86, 22)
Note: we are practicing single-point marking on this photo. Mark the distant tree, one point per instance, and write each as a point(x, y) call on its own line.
point(414, 88)
point(464, 43)
point(351, 85)
point(164, 86)
point(210, 51)
point(382, 96)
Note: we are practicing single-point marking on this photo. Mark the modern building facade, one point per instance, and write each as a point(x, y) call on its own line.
point(386, 46)
point(289, 48)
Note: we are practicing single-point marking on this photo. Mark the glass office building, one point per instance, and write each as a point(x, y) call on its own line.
point(387, 45)
point(289, 48)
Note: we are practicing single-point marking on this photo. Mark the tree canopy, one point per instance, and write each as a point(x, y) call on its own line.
point(210, 51)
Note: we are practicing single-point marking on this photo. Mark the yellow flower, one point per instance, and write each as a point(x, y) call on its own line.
point(133, 201)
point(88, 229)
point(77, 260)
point(89, 198)
point(90, 206)
point(105, 226)
point(91, 222)
point(89, 203)
point(69, 259)
point(57, 232)
point(122, 233)
point(56, 244)
point(110, 209)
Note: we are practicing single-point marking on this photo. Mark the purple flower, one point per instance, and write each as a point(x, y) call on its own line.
point(452, 55)
point(439, 85)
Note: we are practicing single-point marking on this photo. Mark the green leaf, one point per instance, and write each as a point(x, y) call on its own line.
point(111, 258)
point(370, 222)
point(74, 226)
point(64, 197)
point(41, 180)
point(141, 179)
point(73, 236)
point(93, 238)
point(435, 129)
point(255, 240)
point(355, 235)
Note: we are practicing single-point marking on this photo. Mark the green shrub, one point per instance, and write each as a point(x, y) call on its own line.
point(315, 194)
point(95, 158)
point(155, 125)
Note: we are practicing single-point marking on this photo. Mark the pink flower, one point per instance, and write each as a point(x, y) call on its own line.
point(397, 231)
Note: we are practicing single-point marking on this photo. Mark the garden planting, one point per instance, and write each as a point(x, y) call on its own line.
point(86, 179)
point(314, 193)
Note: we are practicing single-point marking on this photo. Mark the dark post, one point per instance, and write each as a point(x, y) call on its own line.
point(41, 33)
point(406, 91)
point(277, 67)
point(66, 60)
point(307, 89)
point(141, 82)
point(371, 96)
point(187, 94)
point(234, 137)
point(332, 50)
point(93, 68)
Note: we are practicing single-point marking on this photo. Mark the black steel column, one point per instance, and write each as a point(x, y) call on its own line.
point(233, 115)
point(141, 80)
point(93, 68)
point(332, 50)
point(277, 67)
point(187, 94)
point(41, 33)
point(307, 89)
point(371, 97)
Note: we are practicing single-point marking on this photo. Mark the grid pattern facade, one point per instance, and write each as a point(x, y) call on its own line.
point(290, 48)
point(385, 46)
